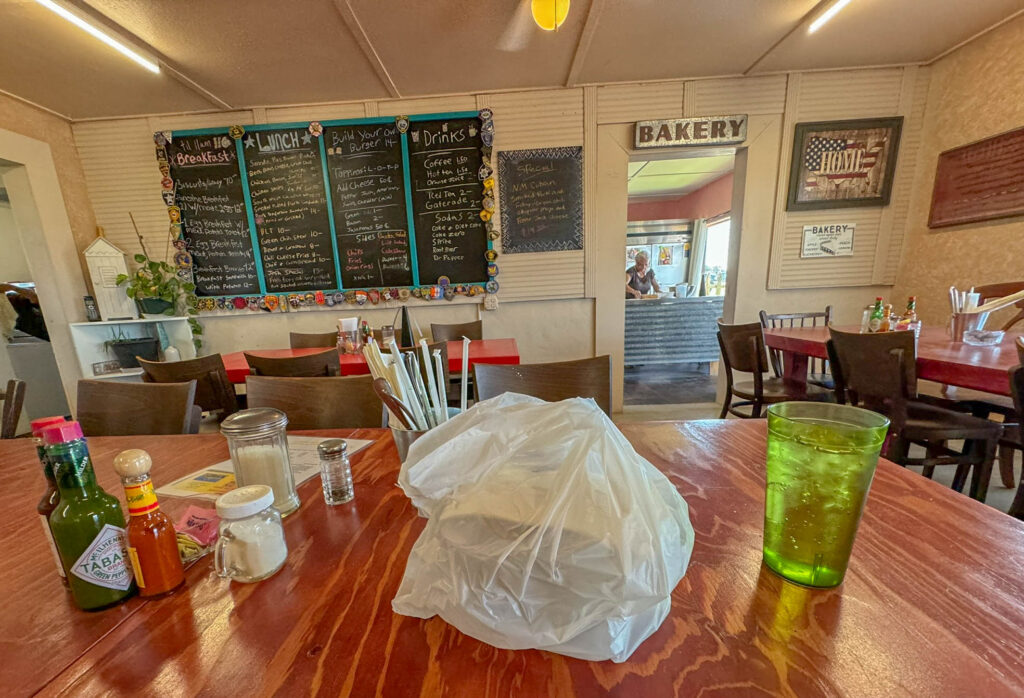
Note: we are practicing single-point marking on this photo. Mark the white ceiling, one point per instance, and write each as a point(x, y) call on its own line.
point(663, 179)
point(220, 54)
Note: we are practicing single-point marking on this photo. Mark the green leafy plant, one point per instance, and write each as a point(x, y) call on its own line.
point(158, 279)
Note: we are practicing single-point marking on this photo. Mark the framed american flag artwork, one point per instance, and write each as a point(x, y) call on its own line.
point(841, 164)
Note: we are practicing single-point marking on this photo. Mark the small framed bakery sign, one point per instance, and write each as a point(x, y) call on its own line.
point(828, 240)
point(841, 164)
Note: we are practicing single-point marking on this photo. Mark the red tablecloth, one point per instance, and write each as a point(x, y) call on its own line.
point(481, 351)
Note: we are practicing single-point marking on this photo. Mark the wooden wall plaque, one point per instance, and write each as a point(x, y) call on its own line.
point(979, 181)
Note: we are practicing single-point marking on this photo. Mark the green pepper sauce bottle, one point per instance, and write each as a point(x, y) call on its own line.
point(51, 497)
point(87, 525)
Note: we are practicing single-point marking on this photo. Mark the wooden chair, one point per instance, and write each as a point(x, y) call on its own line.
point(560, 380)
point(319, 403)
point(814, 376)
point(113, 408)
point(879, 372)
point(13, 397)
point(447, 333)
point(1017, 390)
point(214, 391)
point(993, 291)
point(301, 340)
point(324, 363)
point(743, 350)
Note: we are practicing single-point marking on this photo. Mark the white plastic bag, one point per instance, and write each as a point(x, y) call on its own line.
point(546, 530)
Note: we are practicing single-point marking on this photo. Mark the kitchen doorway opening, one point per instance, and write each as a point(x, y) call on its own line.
point(676, 274)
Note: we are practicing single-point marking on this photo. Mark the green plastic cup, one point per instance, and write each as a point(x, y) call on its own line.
point(821, 460)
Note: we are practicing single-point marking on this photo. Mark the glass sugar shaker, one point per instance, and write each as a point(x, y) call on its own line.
point(251, 544)
point(335, 471)
point(259, 452)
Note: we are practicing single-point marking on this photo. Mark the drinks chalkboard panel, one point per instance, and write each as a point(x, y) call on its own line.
point(444, 162)
point(208, 192)
point(289, 207)
point(541, 199)
point(367, 181)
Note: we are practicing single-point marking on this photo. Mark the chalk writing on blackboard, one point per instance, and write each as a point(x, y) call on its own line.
point(289, 206)
point(364, 168)
point(541, 199)
point(208, 190)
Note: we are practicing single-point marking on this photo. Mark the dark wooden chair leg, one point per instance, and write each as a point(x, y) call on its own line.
point(986, 454)
point(755, 409)
point(726, 401)
point(1006, 454)
point(897, 450)
point(960, 477)
point(1017, 507)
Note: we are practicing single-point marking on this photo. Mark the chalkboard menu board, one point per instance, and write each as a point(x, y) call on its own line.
point(541, 199)
point(367, 181)
point(382, 202)
point(208, 192)
point(444, 164)
point(289, 208)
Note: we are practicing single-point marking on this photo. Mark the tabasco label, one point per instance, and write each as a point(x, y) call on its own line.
point(105, 562)
point(141, 498)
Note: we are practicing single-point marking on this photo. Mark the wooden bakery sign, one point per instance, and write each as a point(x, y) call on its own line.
point(700, 130)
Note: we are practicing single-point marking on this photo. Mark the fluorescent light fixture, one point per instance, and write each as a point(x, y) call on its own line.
point(816, 24)
point(83, 23)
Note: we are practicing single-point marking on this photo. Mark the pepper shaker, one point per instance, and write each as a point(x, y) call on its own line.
point(335, 471)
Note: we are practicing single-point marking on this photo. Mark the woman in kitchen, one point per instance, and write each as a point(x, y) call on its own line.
point(640, 277)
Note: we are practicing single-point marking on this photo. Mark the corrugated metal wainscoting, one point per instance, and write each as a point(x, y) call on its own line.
point(672, 330)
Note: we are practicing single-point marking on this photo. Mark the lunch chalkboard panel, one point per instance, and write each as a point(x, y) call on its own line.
point(367, 184)
point(208, 193)
point(444, 165)
point(289, 209)
point(541, 199)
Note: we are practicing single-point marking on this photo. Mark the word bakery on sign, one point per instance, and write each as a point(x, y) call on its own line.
point(828, 240)
point(701, 130)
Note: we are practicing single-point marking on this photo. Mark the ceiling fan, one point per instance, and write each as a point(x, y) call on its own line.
point(529, 15)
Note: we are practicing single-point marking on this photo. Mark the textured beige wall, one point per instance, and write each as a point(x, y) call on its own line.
point(35, 123)
point(975, 92)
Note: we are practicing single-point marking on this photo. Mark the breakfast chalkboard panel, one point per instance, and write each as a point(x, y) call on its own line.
point(277, 216)
point(541, 199)
point(444, 168)
point(289, 209)
point(367, 183)
point(208, 194)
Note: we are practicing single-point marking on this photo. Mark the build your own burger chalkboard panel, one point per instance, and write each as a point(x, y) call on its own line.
point(346, 205)
point(541, 199)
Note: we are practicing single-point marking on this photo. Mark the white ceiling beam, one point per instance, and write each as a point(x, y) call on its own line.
point(975, 37)
point(166, 63)
point(583, 45)
point(812, 13)
point(348, 15)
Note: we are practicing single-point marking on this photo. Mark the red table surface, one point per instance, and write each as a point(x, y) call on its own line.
point(481, 351)
point(939, 358)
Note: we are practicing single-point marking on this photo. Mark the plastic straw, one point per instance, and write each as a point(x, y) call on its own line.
point(442, 386)
point(408, 393)
point(431, 383)
point(465, 372)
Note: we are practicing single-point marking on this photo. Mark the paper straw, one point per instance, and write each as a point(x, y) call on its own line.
point(431, 383)
point(442, 386)
point(465, 372)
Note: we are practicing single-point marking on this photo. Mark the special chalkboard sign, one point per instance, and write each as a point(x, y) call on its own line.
point(444, 165)
point(208, 192)
point(367, 181)
point(289, 209)
point(541, 193)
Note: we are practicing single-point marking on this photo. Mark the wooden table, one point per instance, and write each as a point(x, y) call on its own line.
point(481, 351)
point(939, 358)
point(933, 604)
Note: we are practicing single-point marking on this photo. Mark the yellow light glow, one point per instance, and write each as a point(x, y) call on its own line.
point(86, 26)
point(549, 14)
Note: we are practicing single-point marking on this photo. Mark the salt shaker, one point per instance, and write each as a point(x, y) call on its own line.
point(335, 471)
point(259, 452)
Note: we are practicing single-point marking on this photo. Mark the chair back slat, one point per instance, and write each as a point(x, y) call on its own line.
point(771, 321)
point(324, 363)
point(313, 340)
point(214, 390)
point(113, 408)
point(13, 398)
point(877, 368)
point(447, 333)
point(560, 380)
point(329, 402)
point(739, 353)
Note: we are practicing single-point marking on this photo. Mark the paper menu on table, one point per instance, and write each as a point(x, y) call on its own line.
point(214, 480)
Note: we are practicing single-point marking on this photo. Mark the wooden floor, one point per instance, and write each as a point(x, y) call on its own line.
point(668, 384)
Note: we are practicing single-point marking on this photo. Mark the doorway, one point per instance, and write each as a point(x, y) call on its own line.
point(676, 272)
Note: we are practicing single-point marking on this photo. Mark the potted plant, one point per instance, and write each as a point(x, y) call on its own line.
point(158, 290)
point(127, 349)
